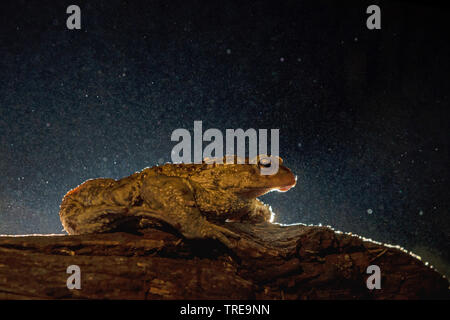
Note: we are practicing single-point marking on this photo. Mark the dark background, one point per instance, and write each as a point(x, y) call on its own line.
point(362, 113)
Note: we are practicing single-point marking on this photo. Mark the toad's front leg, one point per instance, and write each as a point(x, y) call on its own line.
point(173, 198)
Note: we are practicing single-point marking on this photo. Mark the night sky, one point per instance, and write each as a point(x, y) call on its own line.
point(363, 114)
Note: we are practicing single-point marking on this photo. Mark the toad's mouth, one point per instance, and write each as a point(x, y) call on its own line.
point(285, 188)
point(259, 191)
point(288, 186)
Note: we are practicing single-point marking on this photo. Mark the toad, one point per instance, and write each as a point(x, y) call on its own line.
point(194, 199)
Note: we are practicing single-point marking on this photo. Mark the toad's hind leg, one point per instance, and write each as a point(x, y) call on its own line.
point(174, 198)
point(79, 219)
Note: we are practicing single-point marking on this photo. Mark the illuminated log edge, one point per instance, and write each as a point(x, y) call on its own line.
point(270, 261)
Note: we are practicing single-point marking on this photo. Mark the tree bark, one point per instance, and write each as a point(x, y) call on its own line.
point(269, 262)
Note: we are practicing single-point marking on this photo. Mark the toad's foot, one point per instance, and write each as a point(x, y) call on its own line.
point(203, 229)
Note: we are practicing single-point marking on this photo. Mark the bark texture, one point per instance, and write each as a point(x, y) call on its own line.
point(269, 262)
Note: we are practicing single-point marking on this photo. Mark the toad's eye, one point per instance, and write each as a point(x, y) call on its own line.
point(264, 162)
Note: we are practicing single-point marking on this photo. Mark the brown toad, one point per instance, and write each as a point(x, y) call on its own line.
point(188, 197)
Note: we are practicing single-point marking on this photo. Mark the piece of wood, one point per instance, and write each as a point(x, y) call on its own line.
point(269, 262)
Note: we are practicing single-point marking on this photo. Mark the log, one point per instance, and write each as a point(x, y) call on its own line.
point(270, 261)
